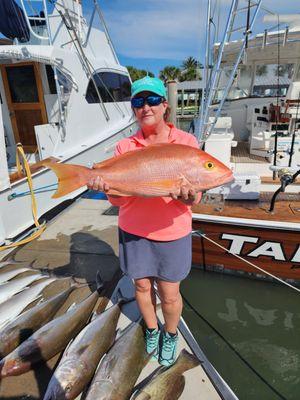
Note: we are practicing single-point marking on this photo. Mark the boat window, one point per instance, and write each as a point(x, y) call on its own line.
point(51, 80)
point(272, 80)
point(22, 84)
point(111, 86)
point(241, 85)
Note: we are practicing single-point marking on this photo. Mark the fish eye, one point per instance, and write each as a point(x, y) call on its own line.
point(68, 388)
point(209, 165)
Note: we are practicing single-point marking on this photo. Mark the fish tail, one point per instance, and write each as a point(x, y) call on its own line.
point(70, 177)
point(186, 361)
point(99, 283)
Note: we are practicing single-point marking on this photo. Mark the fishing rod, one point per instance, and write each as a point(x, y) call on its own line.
point(286, 179)
point(294, 133)
point(277, 112)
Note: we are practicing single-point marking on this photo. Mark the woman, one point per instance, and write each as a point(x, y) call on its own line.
point(155, 233)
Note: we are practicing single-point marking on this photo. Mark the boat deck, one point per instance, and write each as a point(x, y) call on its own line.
point(240, 154)
point(78, 242)
point(287, 207)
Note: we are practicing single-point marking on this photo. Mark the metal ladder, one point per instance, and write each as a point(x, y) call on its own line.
point(212, 80)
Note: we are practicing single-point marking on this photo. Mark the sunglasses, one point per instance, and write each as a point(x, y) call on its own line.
point(139, 102)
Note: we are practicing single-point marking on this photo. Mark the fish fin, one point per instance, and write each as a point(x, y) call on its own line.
point(141, 395)
point(180, 384)
point(125, 300)
point(115, 192)
point(65, 353)
point(186, 360)
point(70, 177)
point(105, 163)
point(99, 283)
point(93, 316)
point(118, 333)
point(71, 307)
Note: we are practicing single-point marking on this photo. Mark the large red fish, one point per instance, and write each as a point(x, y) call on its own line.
point(152, 171)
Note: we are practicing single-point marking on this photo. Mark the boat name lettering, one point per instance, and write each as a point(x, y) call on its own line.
point(266, 248)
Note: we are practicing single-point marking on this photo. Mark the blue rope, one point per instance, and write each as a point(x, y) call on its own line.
point(38, 190)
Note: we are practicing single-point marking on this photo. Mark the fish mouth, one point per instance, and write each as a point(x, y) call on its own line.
point(226, 178)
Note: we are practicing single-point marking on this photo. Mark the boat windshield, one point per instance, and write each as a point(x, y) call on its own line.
point(241, 85)
point(272, 79)
point(261, 80)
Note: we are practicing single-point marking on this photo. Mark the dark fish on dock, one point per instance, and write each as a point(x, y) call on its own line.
point(120, 367)
point(168, 384)
point(153, 171)
point(50, 339)
point(30, 321)
point(81, 358)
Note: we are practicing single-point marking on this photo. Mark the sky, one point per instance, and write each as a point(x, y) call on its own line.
point(152, 34)
point(155, 33)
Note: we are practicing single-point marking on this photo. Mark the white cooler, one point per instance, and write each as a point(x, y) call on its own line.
point(246, 186)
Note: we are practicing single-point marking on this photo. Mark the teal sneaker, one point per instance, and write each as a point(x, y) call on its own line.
point(152, 342)
point(168, 349)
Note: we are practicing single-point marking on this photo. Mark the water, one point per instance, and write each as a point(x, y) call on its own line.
point(250, 332)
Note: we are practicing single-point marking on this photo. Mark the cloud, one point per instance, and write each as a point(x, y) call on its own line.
point(162, 30)
point(169, 29)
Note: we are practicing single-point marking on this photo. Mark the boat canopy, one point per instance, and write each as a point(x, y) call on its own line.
point(13, 24)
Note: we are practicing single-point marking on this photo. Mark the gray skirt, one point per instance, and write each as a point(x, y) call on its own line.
point(140, 257)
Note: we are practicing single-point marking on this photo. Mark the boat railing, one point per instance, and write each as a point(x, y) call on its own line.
point(42, 18)
point(207, 126)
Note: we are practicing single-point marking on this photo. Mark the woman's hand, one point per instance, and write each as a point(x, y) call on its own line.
point(187, 195)
point(98, 185)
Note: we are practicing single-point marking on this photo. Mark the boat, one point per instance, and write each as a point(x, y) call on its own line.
point(64, 98)
point(250, 120)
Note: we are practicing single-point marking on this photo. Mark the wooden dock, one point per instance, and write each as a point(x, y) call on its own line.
point(78, 242)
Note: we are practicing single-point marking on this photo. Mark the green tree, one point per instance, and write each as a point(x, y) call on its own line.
point(191, 70)
point(136, 73)
point(170, 73)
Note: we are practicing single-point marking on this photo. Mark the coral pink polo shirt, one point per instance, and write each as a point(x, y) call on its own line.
point(155, 218)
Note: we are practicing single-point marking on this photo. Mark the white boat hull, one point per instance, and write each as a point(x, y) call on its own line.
point(16, 214)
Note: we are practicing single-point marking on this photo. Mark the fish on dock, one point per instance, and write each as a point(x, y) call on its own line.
point(50, 339)
point(19, 329)
point(168, 384)
point(81, 358)
point(8, 275)
point(153, 171)
point(120, 367)
point(12, 307)
point(9, 262)
point(11, 288)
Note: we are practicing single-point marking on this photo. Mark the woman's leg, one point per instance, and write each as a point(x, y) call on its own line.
point(146, 299)
point(171, 304)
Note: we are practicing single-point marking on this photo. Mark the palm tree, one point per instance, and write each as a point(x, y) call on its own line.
point(191, 69)
point(189, 63)
point(170, 73)
point(136, 73)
